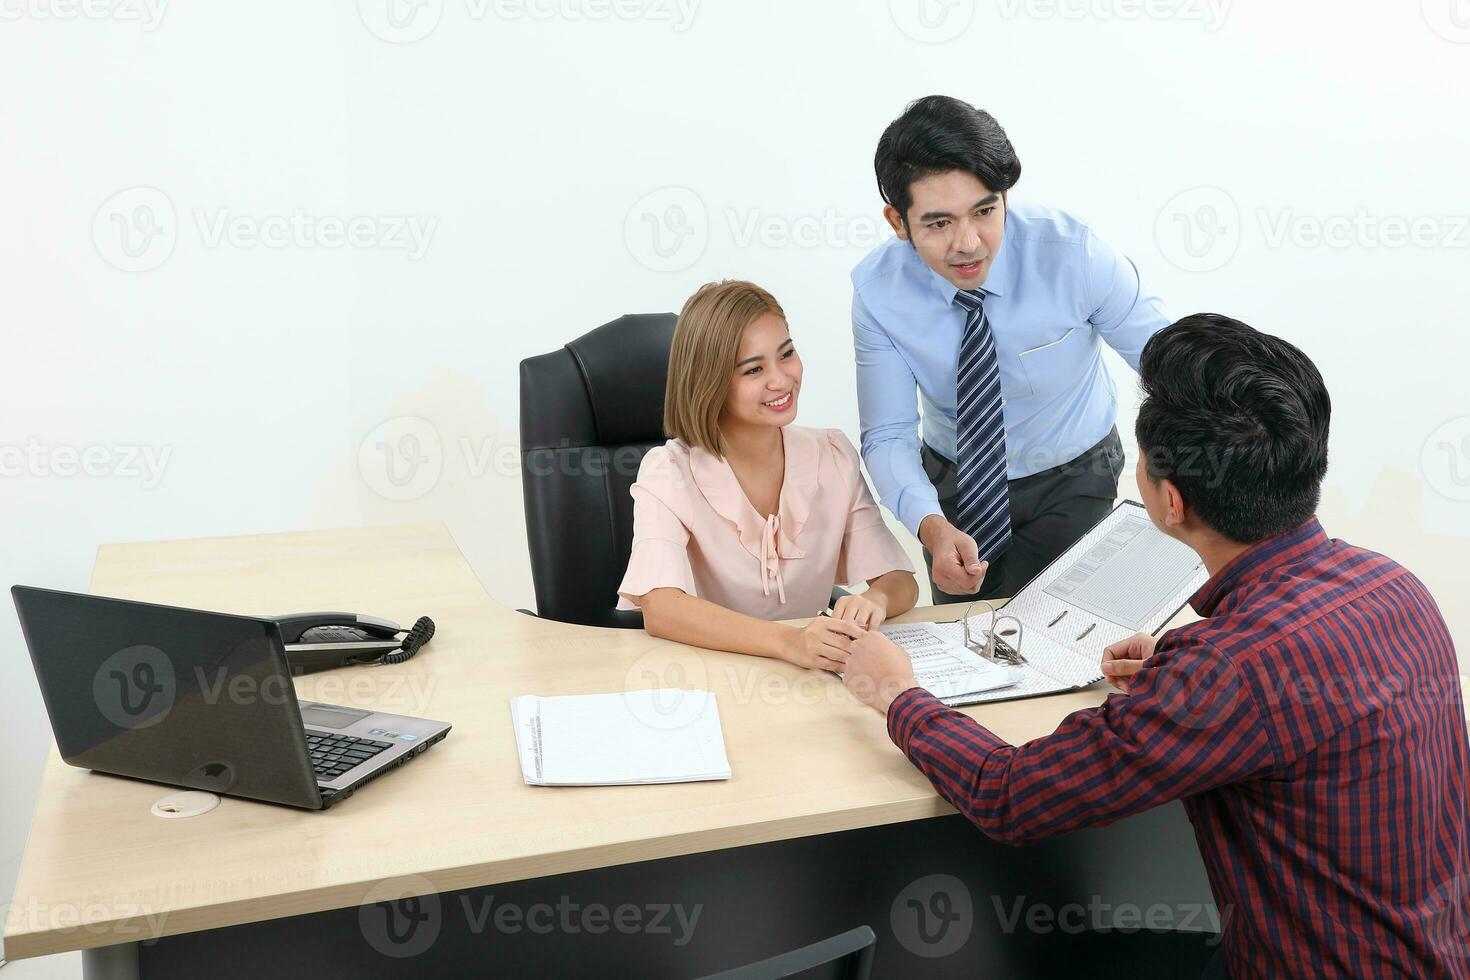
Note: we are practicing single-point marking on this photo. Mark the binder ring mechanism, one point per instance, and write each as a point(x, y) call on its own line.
point(991, 642)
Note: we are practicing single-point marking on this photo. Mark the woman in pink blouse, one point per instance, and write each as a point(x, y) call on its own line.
point(743, 518)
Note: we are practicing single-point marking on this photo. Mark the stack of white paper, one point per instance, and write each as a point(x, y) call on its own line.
point(652, 736)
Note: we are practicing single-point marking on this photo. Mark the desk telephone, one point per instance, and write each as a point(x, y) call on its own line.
point(323, 640)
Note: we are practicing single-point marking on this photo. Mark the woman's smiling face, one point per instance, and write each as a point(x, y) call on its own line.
point(766, 378)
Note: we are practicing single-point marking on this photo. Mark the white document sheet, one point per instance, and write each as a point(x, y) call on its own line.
point(636, 737)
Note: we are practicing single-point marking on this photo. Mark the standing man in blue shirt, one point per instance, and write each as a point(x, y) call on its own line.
point(996, 315)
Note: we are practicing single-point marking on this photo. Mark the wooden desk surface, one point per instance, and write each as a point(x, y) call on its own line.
point(807, 758)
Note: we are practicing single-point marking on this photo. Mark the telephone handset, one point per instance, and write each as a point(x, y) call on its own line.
point(323, 640)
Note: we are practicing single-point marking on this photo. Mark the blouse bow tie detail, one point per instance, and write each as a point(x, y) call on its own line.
point(771, 558)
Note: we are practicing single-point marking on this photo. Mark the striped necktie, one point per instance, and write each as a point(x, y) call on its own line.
point(983, 509)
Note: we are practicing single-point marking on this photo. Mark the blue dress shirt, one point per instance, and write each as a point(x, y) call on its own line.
point(1055, 293)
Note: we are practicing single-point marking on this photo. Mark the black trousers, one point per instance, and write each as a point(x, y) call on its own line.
point(1050, 510)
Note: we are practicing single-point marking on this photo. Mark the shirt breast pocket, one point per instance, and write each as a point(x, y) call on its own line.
point(1057, 366)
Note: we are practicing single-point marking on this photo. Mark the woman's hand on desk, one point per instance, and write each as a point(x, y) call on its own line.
point(1125, 658)
point(868, 610)
point(823, 643)
point(878, 670)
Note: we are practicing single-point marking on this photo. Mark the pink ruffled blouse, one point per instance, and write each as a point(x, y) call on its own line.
point(695, 530)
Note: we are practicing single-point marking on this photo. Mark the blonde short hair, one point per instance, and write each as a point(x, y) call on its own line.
point(706, 340)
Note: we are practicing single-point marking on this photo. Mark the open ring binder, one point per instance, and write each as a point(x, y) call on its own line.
point(991, 646)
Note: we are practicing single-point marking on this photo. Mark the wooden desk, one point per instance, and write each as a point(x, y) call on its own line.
point(807, 759)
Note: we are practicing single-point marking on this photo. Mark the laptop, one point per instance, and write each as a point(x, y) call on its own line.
point(202, 700)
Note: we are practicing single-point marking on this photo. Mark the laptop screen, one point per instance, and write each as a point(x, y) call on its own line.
point(176, 696)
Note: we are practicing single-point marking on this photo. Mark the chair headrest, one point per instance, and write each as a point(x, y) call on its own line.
point(625, 367)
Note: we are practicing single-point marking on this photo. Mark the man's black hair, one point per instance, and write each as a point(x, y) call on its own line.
point(937, 134)
point(1237, 420)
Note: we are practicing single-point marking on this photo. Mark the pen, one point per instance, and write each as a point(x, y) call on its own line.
point(1089, 629)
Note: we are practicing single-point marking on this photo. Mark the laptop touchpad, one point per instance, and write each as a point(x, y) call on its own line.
point(321, 716)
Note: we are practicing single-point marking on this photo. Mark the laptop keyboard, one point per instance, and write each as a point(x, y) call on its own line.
point(332, 755)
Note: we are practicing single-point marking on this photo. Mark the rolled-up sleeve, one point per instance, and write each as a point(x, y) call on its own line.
point(660, 555)
point(888, 410)
point(869, 548)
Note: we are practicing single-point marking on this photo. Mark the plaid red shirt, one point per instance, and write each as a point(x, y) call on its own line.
point(1311, 723)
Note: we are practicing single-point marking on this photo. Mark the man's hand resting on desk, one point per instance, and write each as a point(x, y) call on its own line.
point(958, 569)
point(878, 670)
point(1125, 658)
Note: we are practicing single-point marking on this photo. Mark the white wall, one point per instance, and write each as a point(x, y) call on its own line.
point(536, 145)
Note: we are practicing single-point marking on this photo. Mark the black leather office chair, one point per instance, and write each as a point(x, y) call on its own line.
point(589, 412)
point(845, 957)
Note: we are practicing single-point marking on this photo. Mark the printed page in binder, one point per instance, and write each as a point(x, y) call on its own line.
point(1127, 573)
point(942, 664)
point(945, 667)
point(1125, 576)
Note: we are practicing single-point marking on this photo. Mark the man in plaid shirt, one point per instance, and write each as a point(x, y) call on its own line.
point(1311, 722)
